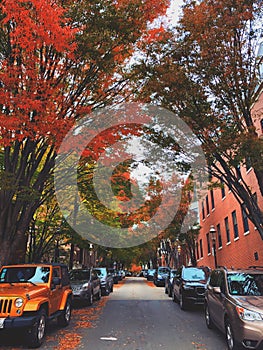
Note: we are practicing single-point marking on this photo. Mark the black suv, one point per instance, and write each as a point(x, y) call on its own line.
point(234, 304)
point(189, 285)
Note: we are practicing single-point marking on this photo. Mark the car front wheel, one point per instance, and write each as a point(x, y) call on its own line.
point(36, 333)
point(64, 318)
point(90, 299)
point(230, 340)
point(208, 321)
point(99, 295)
point(182, 302)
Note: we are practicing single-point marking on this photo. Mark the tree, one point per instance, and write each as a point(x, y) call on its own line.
point(59, 59)
point(206, 71)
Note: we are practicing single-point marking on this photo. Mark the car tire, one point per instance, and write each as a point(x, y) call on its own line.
point(90, 299)
point(99, 294)
point(208, 321)
point(107, 291)
point(64, 318)
point(36, 334)
point(174, 299)
point(230, 339)
point(182, 302)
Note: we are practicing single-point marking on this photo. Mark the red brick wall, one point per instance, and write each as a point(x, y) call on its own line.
point(238, 252)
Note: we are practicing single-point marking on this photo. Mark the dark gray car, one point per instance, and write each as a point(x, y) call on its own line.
point(106, 280)
point(85, 285)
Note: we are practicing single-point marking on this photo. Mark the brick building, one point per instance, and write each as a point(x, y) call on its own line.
point(237, 242)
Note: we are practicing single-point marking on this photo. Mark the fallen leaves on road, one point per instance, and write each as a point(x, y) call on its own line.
point(150, 284)
point(81, 318)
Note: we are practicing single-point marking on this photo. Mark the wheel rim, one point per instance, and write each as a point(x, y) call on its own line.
point(41, 327)
point(207, 316)
point(181, 300)
point(68, 312)
point(229, 337)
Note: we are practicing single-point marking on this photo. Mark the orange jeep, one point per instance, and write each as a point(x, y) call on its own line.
point(31, 295)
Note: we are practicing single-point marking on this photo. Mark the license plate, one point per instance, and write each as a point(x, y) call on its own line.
point(2, 320)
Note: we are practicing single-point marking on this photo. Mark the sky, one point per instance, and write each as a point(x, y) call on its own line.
point(174, 10)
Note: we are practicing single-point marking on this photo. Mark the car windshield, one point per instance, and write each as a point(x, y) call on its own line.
point(100, 273)
point(194, 274)
point(163, 270)
point(245, 284)
point(173, 273)
point(79, 275)
point(33, 274)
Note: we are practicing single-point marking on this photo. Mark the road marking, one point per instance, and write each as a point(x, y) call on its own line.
point(108, 338)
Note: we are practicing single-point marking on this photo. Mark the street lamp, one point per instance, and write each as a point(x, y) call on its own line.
point(213, 236)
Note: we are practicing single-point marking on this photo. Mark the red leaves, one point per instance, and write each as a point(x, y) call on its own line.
point(30, 91)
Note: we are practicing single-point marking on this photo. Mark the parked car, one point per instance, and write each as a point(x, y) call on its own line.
point(234, 304)
point(31, 295)
point(128, 273)
point(85, 284)
point(169, 282)
point(160, 275)
point(106, 280)
point(189, 285)
point(114, 274)
point(142, 273)
point(120, 274)
point(150, 274)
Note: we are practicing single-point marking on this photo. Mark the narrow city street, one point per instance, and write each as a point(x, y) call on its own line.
point(136, 316)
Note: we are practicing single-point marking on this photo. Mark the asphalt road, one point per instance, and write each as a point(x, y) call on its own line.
point(136, 316)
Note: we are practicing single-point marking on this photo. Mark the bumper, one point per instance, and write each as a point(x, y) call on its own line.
point(18, 322)
point(250, 334)
point(159, 282)
point(194, 300)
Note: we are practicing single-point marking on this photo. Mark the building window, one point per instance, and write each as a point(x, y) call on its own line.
point(235, 225)
point(203, 210)
point(248, 163)
point(212, 199)
point(201, 248)
point(197, 250)
point(208, 243)
point(244, 218)
point(227, 230)
point(223, 192)
point(238, 172)
point(219, 236)
point(207, 205)
point(255, 197)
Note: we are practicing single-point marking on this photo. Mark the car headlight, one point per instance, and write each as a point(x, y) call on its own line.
point(248, 315)
point(18, 302)
point(160, 277)
point(85, 287)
